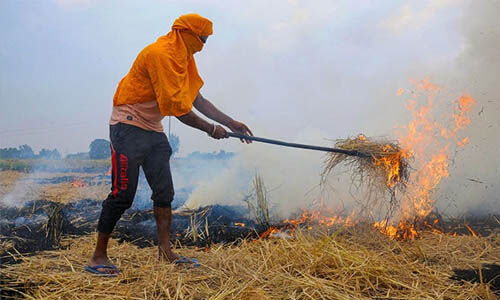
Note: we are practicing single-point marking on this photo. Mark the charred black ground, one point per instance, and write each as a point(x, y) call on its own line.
point(489, 273)
point(39, 225)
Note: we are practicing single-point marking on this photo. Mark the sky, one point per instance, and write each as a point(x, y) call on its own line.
point(281, 67)
point(301, 71)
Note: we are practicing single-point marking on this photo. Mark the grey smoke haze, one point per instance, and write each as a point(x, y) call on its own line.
point(472, 70)
point(23, 191)
point(477, 69)
point(303, 71)
point(289, 175)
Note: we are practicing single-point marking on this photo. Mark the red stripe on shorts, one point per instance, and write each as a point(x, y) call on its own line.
point(115, 170)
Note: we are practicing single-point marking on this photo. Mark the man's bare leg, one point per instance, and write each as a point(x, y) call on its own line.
point(100, 256)
point(163, 217)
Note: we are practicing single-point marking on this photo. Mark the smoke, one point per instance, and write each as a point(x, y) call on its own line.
point(291, 177)
point(363, 99)
point(227, 187)
point(24, 190)
point(473, 185)
point(192, 176)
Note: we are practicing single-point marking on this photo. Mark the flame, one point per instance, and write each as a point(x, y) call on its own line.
point(322, 216)
point(389, 159)
point(474, 234)
point(428, 141)
point(239, 224)
point(403, 231)
point(391, 164)
point(269, 232)
point(79, 183)
point(408, 230)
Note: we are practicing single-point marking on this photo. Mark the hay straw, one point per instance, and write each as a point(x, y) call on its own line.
point(354, 264)
point(257, 202)
point(383, 172)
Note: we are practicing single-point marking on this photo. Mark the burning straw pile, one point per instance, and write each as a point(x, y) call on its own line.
point(381, 165)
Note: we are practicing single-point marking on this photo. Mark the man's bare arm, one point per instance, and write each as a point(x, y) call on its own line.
point(210, 111)
point(193, 120)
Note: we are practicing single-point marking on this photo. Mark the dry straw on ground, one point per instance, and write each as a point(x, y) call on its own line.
point(353, 263)
point(30, 188)
point(7, 181)
point(65, 192)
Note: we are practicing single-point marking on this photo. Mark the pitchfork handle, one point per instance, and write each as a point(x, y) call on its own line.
point(294, 145)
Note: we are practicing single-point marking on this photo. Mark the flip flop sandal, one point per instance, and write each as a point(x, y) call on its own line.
point(186, 260)
point(94, 270)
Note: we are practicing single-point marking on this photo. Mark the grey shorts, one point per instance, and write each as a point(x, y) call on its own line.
point(133, 147)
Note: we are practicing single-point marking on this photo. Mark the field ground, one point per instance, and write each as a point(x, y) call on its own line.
point(60, 165)
point(49, 186)
point(350, 263)
point(346, 265)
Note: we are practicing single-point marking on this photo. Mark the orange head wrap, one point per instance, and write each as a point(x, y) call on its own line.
point(191, 27)
point(166, 70)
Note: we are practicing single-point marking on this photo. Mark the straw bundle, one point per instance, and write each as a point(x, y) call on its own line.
point(384, 171)
point(349, 264)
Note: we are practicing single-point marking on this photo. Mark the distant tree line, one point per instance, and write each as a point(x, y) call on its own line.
point(222, 155)
point(100, 149)
point(25, 152)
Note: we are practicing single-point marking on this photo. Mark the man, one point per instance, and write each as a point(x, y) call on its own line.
point(163, 81)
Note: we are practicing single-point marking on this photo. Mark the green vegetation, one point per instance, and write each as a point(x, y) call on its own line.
point(25, 152)
point(99, 149)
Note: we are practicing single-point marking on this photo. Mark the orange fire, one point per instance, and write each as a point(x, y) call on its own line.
point(269, 232)
point(474, 234)
point(79, 183)
point(239, 224)
point(322, 216)
point(430, 152)
point(428, 140)
point(403, 231)
point(392, 165)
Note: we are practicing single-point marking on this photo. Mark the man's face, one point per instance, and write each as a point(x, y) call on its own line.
point(204, 38)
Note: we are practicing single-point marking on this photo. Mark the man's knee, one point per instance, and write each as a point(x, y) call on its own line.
point(163, 198)
point(118, 203)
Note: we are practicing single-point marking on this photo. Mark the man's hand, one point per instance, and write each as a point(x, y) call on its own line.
point(209, 110)
point(239, 127)
point(219, 133)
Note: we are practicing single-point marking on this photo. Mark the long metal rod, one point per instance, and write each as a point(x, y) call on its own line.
point(294, 145)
